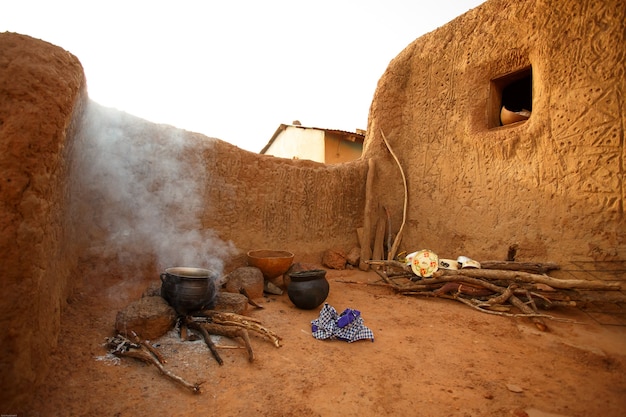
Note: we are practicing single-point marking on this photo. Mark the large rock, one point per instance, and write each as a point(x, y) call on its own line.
point(231, 303)
point(248, 278)
point(354, 256)
point(334, 259)
point(149, 317)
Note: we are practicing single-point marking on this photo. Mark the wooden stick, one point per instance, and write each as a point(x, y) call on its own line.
point(366, 249)
point(534, 267)
point(183, 332)
point(396, 243)
point(513, 275)
point(495, 288)
point(146, 357)
point(121, 346)
point(231, 332)
point(232, 319)
point(529, 312)
point(207, 339)
point(224, 315)
point(531, 301)
point(148, 346)
point(391, 263)
point(243, 291)
point(359, 237)
point(464, 288)
point(520, 276)
point(256, 328)
point(502, 313)
point(429, 282)
point(349, 281)
point(379, 236)
point(400, 274)
point(388, 240)
point(503, 297)
point(384, 276)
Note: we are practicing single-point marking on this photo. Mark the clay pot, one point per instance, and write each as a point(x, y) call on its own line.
point(308, 289)
point(507, 116)
point(272, 263)
point(189, 289)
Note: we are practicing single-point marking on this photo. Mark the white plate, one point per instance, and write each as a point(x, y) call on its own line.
point(425, 263)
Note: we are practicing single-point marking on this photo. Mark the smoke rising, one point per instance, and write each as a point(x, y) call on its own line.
point(138, 192)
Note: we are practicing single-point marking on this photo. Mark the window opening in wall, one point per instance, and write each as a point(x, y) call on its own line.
point(511, 98)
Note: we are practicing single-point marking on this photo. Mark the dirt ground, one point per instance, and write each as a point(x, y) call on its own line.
point(430, 357)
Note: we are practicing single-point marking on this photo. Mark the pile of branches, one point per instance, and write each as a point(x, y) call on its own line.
point(507, 288)
point(142, 350)
point(206, 323)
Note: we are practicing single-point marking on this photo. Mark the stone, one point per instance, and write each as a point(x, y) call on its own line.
point(514, 388)
point(231, 302)
point(247, 277)
point(153, 290)
point(149, 317)
point(334, 259)
point(354, 256)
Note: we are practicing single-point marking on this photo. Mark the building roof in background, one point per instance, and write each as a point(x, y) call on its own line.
point(357, 137)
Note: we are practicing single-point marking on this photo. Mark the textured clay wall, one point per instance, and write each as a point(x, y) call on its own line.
point(41, 87)
point(553, 184)
point(151, 196)
point(303, 206)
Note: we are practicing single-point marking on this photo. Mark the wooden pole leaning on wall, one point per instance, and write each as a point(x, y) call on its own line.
point(378, 250)
point(366, 243)
point(396, 243)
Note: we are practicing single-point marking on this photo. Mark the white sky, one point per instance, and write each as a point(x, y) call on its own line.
point(233, 69)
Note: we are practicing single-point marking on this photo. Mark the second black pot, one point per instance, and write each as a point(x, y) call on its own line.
point(308, 289)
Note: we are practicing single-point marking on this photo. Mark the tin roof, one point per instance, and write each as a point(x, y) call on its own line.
point(356, 137)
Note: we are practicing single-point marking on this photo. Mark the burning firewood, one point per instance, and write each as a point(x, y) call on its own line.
point(127, 343)
point(231, 319)
point(230, 325)
point(207, 328)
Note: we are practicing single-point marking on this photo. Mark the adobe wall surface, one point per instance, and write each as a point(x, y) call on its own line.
point(553, 184)
point(299, 205)
point(41, 87)
point(152, 196)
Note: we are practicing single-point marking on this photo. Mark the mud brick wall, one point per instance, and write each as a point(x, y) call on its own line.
point(553, 184)
point(42, 89)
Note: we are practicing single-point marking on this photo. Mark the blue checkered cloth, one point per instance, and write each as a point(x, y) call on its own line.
point(347, 326)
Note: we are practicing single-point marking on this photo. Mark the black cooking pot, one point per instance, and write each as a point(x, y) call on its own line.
point(308, 289)
point(189, 289)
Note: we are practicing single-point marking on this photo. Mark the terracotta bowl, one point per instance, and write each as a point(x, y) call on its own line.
point(273, 263)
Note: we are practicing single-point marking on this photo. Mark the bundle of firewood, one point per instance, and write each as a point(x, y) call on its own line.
point(513, 289)
point(206, 322)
